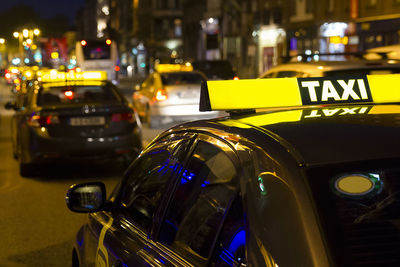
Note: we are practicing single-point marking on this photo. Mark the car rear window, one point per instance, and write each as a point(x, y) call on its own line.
point(359, 207)
point(181, 78)
point(54, 95)
point(96, 50)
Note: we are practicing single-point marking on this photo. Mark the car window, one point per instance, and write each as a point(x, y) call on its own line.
point(58, 95)
point(288, 73)
point(147, 179)
point(270, 75)
point(181, 78)
point(96, 50)
point(197, 210)
point(231, 243)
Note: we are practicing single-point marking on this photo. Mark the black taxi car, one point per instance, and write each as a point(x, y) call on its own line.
point(312, 180)
point(66, 117)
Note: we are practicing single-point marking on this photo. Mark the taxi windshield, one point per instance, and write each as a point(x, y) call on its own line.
point(359, 210)
point(59, 95)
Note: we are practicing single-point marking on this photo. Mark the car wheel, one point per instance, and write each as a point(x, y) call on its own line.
point(27, 170)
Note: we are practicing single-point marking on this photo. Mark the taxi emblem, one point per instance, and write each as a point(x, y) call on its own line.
point(329, 90)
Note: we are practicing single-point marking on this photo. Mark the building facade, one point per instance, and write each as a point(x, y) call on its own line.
point(254, 35)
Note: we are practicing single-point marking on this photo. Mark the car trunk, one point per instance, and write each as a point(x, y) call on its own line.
point(86, 121)
point(182, 94)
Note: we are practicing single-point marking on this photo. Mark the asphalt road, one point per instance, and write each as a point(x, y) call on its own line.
point(36, 228)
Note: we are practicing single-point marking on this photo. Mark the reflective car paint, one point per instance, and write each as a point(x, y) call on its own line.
point(279, 211)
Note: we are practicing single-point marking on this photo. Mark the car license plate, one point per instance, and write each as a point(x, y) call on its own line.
point(87, 121)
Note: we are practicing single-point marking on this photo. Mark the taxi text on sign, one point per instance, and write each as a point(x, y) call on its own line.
point(334, 90)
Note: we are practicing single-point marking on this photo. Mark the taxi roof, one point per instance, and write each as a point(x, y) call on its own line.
point(318, 68)
point(318, 120)
point(320, 135)
point(54, 76)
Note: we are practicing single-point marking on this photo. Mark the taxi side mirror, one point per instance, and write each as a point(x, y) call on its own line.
point(86, 197)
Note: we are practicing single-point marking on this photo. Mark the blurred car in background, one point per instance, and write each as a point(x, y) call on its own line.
point(73, 117)
point(12, 76)
point(215, 69)
point(171, 94)
point(332, 68)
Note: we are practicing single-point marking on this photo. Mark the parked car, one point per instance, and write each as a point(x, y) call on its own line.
point(63, 119)
point(170, 94)
point(332, 68)
point(314, 180)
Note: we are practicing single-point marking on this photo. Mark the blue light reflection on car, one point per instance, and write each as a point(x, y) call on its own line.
point(177, 168)
point(238, 241)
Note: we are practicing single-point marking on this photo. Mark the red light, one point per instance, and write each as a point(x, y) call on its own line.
point(122, 117)
point(38, 120)
point(83, 42)
point(108, 42)
point(236, 78)
point(161, 95)
point(117, 68)
point(8, 76)
point(69, 94)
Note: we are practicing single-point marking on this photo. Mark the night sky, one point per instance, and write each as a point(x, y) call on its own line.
point(47, 8)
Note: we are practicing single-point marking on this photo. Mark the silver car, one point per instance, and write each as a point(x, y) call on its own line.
point(170, 96)
point(333, 68)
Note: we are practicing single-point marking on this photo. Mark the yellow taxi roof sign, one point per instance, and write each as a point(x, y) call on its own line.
point(291, 92)
point(56, 76)
point(173, 67)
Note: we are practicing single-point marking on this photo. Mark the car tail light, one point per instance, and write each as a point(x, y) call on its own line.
point(38, 120)
point(123, 117)
point(69, 94)
point(161, 95)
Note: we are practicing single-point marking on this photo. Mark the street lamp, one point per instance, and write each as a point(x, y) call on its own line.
point(2, 41)
point(25, 33)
